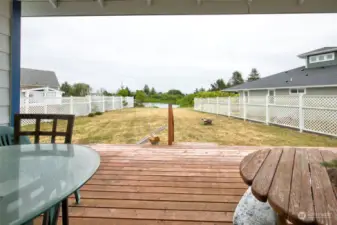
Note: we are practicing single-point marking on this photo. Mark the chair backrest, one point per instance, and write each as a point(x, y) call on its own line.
point(37, 132)
point(7, 137)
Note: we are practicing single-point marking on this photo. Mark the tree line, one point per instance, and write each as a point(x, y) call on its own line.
point(172, 96)
point(236, 79)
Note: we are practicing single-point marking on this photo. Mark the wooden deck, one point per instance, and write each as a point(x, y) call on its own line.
point(183, 184)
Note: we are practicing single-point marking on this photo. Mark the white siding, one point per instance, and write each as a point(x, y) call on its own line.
point(5, 12)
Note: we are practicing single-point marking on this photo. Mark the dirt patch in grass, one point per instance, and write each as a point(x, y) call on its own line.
point(131, 125)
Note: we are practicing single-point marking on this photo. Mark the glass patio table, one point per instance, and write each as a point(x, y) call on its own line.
point(34, 178)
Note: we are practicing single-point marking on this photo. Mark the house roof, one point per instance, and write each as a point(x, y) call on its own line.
point(39, 78)
point(47, 89)
point(318, 51)
point(172, 7)
point(298, 77)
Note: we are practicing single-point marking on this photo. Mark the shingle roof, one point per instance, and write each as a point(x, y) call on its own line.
point(39, 78)
point(298, 77)
point(318, 51)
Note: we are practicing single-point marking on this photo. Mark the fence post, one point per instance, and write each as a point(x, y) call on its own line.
point(267, 109)
point(103, 104)
point(26, 102)
point(229, 106)
point(122, 100)
point(300, 111)
point(113, 102)
point(45, 106)
point(89, 103)
point(71, 105)
point(244, 108)
point(217, 105)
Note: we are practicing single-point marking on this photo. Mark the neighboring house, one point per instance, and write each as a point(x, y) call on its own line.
point(317, 77)
point(39, 87)
point(31, 78)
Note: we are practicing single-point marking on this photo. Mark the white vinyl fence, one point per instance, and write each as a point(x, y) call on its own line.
point(316, 114)
point(79, 106)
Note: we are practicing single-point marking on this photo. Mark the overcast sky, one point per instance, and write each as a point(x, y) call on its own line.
point(181, 52)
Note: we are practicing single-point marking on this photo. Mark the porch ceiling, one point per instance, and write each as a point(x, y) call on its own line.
point(172, 7)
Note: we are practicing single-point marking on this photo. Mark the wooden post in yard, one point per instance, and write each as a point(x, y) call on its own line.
point(170, 125)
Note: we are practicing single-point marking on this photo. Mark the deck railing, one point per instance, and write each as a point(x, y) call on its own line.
point(317, 114)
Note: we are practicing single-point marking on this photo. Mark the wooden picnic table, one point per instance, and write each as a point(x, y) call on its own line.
point(294, 183)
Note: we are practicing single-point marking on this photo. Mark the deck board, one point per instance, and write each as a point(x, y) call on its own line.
point(187, 184)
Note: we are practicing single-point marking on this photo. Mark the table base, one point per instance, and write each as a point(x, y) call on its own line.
point(50, 217)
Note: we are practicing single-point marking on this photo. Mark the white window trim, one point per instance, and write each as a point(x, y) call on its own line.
point(305, 91)
point(317, 60)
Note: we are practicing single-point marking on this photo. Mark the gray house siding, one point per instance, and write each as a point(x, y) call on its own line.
point(258, 93)
point(320, 64)
point(322, 91)
point(282, 92)
point(309, 91)
point(5, 15)
point(255, 93)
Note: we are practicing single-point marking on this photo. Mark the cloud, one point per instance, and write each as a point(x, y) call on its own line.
point(182, 52)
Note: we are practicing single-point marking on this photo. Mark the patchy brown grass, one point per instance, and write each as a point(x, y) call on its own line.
point(131, 125)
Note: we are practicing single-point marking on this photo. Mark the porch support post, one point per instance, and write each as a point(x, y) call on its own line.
point(267, 108)
point(15, 59)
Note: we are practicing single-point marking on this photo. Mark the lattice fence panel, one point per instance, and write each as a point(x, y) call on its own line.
point(108, 103)
point(223, 106)
point(118, 102)
point(129, 101)
point(320, 101)
point(212, 105)
point(257, 100)
point(96, 104)
point(80, 106)
point(236, 107)
point(81, 109)
point(70, 105)
point(256, 113)
point(311, 113)
point(285, 116)
point(285, 100)
point(320, 120)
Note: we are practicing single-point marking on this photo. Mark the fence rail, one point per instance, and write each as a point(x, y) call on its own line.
point(316, 114)
point(79, 106)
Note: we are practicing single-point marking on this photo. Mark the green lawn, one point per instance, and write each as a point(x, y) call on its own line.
point(131, 125)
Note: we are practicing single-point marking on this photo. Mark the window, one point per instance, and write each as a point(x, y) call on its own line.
point(271, 94)
point(296, 91)
point(246, 96)
point(330, 56)
point(293, 91)
point(312, 59)
point(322, 58)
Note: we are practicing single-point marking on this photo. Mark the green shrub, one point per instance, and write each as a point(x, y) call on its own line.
point(91, 115)
point(139, 105)
point(98, 113)
point(125, 103)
